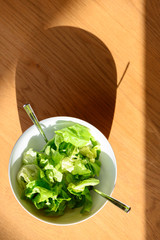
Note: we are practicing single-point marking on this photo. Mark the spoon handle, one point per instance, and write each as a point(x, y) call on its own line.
point(34, 119)
point(119, 204)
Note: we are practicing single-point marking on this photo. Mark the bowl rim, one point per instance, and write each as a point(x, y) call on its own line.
point(66, 118)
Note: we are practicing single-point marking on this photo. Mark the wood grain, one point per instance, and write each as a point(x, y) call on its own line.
point(67, 58)
point(69, 72)
point(152, 109)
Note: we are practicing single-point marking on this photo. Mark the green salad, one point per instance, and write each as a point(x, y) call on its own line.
point(63, 173)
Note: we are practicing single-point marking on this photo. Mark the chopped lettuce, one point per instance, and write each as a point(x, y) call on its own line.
point(80, 168)
point(28, 173)
point(90, 152)
point(52, 173)
point(67, 165)
point(87, 201)
point(77, 135)
point(79, 187)
point(61, 175)
point(30, 157)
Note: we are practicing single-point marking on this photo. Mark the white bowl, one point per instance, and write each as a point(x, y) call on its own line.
point(32, 139)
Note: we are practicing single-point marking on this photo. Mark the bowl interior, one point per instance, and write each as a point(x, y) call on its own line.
point(32, 139)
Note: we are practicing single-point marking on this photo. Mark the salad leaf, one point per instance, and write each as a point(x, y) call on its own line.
point(80, 169)
point(77, 135)
point(66, 148)
point(79, 187)
point(91, 153)
point(30, 157)
point(57, 158)
point(42, 159)
point(43, 194)
point(87, 201)
point(52, 173)
point(76, 201)
point(94, 167)
point(39, 193)
point(48, 150)
point(50, 143)
point(70, 178)
point(67, 164)
point(28, 173)
point(58, 207)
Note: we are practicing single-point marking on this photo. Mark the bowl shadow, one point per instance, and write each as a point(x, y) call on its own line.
point(67, 71)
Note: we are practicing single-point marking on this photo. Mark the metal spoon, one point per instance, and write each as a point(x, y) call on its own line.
point(34, 119)
point(116, 202)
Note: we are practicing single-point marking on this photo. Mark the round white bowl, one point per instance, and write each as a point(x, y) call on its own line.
point(32, 139)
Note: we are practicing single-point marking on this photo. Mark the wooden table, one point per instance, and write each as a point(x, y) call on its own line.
point(98, 61)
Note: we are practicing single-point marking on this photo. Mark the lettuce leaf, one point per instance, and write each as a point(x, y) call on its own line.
point(79, 187)
point(29, 157)
point(40, 193)
point(67, 165)
point(77, 135)
point(28, 173)
point(80, 169)
point(94, 167)
point(57, 158)
point(90, 152)
point(87, 205)
point(52, 173)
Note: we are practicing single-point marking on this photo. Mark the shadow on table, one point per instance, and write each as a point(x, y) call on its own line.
point(66, 71)
point(152, 108)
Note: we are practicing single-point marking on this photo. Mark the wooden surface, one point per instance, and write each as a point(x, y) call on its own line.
point(98, 61)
